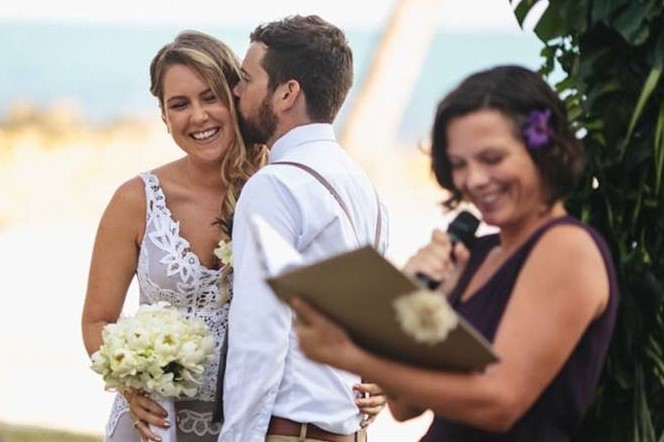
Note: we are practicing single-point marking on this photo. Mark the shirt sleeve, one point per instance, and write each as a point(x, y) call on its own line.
point(259, 324)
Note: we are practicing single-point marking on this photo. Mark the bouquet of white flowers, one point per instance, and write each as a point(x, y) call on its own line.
point(157, 351)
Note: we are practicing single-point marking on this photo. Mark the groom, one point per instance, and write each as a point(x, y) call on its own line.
point(295, 76)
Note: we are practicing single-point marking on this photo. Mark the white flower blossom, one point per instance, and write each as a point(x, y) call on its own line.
point(425, 316)
point(224, 252)
point(158, 351)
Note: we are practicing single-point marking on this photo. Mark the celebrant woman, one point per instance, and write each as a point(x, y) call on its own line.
point(543, 289)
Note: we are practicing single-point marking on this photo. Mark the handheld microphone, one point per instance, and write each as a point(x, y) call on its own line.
point(462, 229)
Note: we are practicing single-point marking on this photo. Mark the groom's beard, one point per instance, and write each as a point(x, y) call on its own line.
point(260, 130)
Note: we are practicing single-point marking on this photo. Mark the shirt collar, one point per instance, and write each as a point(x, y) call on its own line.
point(301, 135)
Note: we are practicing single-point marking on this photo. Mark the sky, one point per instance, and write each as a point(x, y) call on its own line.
point(454, 14)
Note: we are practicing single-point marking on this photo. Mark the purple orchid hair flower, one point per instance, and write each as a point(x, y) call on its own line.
point(536, 131)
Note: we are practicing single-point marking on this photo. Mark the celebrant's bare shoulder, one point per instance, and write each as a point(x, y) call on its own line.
point(550, 266)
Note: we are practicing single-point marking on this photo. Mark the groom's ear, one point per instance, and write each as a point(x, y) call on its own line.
point(288, 94)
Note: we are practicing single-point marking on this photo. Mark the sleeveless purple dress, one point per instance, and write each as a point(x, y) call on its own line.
point(557, 413)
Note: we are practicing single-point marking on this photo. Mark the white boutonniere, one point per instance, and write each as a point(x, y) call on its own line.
point(426, 316)
point(224, 252)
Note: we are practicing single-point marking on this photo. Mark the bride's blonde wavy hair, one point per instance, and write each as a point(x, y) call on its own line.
point(218, 65)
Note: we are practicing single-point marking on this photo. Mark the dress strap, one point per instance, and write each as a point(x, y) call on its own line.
point(154, 195)
point(484, 244)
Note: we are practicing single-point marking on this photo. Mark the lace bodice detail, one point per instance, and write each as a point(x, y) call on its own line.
point(169, 271)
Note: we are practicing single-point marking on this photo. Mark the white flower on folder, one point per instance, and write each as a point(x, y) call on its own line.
point(157, 351)
point(224, 252)
point(425, 316)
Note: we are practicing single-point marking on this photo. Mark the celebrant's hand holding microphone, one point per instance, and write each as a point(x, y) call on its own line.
point(439, 264)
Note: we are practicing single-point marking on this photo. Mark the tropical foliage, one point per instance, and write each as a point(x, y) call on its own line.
point(608, 57)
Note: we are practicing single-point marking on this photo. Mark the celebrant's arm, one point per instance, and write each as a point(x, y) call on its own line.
point(402, 410)
point(114, 260)
point(552, 304)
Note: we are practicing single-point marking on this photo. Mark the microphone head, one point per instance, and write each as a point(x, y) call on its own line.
point(463, 228)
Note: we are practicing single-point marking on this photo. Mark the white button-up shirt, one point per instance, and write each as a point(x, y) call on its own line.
point(266, 374)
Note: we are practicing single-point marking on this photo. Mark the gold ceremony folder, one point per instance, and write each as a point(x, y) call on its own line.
point(356, 289)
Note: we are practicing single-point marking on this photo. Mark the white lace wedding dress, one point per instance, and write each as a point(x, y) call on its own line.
point(169, 271)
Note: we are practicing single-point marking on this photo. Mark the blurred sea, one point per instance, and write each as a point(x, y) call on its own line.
point(103, 69)
point(55, 184)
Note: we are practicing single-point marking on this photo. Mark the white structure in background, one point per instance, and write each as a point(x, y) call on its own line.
point(375, 115)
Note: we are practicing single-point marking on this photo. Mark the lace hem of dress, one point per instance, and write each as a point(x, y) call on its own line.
point(120, 407)
point(189, 421)
point(200, 424)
